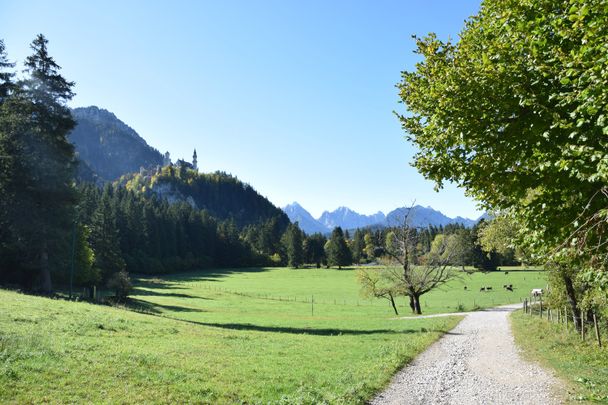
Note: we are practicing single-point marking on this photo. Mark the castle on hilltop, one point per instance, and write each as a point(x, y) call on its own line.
point(180, 163)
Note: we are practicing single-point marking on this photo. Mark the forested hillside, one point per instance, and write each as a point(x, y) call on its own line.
point(57, 231)
point(222, 195)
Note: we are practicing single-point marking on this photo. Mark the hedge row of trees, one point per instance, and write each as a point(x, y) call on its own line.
point(479, 246)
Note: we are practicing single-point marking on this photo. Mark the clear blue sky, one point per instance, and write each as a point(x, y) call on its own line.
point(293, 97)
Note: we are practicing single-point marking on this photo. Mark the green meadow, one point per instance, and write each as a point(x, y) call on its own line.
point(273, 293)
point(227, 336)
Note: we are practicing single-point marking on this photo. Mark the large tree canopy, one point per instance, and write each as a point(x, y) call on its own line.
point(516, 113)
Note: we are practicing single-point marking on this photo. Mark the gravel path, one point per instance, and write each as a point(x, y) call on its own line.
point(475, 363)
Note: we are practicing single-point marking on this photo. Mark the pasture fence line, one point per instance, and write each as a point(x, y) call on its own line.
point(589, 318)
point(458, 306)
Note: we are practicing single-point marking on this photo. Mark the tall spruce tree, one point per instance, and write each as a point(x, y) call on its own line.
point(47, 191)
point(358, 246)
point(293, 241)
point(6, 73)
point(338, 253)
point(314, 248)
point(104, 240)
point(8, 149)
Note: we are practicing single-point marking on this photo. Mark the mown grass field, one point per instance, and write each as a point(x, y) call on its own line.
point(335, 292)
point(581, 365)
point(226, 336)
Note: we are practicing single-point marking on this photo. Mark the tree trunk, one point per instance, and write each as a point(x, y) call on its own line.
point(572, 302)
point(45, 272)
point(393, 303)
point(412, 305)
point(417, 304)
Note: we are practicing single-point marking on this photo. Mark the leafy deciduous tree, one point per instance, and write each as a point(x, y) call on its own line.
point(515, 112)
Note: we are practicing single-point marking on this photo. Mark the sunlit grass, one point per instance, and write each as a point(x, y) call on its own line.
point(582, 365)
point(336, 292)
point(226, 349)
point(226, 336)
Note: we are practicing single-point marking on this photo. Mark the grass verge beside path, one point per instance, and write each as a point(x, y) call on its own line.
point(581, 365)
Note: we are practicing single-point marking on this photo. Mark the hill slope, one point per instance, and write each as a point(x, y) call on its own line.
point(222, 195)
point(108, 146)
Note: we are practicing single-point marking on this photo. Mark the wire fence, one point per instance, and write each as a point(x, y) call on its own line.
point(584, 321)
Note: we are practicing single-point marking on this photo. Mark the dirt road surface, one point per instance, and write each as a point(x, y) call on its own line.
point(475, 363)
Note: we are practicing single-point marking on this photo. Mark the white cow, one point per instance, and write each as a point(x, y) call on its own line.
point(536, 292)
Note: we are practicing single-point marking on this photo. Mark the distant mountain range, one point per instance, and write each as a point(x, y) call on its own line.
point(348, 219)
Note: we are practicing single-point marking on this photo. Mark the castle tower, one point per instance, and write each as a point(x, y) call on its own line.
point(167, 159)
point(194, 161)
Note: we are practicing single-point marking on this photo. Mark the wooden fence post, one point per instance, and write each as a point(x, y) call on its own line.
point(582, 325)
point(532, 299)
point(597, 330)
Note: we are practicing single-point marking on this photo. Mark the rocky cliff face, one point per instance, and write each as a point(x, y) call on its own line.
point(170, 193)
point(108, 146)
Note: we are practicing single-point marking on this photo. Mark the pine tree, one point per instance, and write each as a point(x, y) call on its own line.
point(293, 241)
point(314, 247)
point(6, 73)
point(358, 246)
point(8, 166)
point(38, 181)
point(104, 240)
point(338, 253)
point(50, 153)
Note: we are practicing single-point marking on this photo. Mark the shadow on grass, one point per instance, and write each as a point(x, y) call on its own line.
point(138, 290)
point(167, 280)
point(156, 283)
point(154, 308)
point(302, 331)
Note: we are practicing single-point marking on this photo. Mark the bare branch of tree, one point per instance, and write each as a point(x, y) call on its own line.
point(406, 273)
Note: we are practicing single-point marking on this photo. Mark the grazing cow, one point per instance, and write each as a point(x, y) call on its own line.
point(504, 286)
point(506, 272)
point(465, 287)
point(510, 288)
point(488, 288)
point(536, 292)
point(482, 289)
